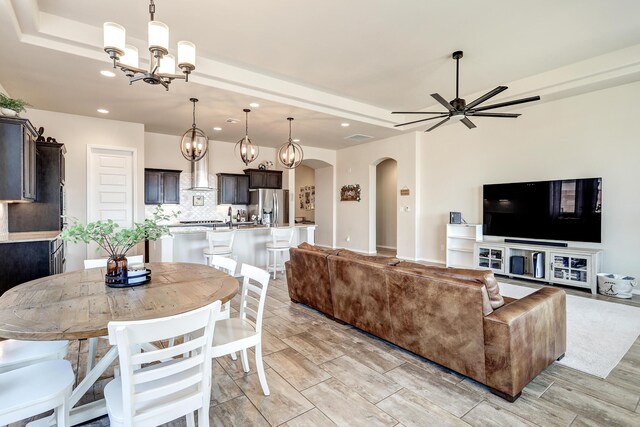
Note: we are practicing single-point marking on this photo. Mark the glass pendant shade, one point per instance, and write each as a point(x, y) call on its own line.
point(114, 37)
point(167, 65)
point(186, 54)
point(290, 154)
point(158, 36)
point(194, 144)
point(130, 56)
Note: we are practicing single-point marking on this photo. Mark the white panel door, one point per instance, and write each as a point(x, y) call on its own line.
point(109, 189)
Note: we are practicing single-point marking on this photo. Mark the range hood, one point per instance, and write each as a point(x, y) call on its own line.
point(200, 174)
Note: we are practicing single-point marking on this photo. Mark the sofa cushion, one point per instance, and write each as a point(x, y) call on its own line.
point(376, 259)
point(309, 247)
point(483, 276)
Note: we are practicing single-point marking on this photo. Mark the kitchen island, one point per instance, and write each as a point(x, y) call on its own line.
point(187, 243)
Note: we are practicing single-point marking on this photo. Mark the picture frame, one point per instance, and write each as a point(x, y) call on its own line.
point(350, 193)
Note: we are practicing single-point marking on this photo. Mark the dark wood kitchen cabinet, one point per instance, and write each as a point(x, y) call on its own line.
point(47, 211)
point(17, 160)
point(161, 186)
point(259, 178)
point(233, 189)
point(30, 260)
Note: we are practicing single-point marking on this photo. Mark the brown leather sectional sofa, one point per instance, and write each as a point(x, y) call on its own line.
point(454, 317)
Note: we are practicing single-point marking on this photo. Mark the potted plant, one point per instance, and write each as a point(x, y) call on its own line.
point(11, 107)
point(118, 241)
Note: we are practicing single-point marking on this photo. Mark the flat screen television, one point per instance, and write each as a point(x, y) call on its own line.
point(562, 210)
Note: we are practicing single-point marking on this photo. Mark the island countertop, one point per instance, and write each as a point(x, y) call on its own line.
point(242, 228)
point(30, 236)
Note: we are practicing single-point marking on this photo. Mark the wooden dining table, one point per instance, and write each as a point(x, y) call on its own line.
point(78, 305)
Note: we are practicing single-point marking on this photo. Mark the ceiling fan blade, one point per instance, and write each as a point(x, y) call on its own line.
point(423, 120)
point(468, 123)
point(486, 96)
point(510, 115)
point(418, 112)
point(506, 104)
point(443, 101)
point(437, 124)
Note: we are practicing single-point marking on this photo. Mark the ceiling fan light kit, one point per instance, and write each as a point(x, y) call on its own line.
point(194, 143)
point(290, 154)
point(162, 65)
point(245, 149)
point(458, 110)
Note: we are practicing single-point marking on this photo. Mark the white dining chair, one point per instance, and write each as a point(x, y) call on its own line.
point(93, 342)
point(35, 389)
point(227, 265)
point(219, 243)
point(172, 387)
point(279, 243)
point(243, 332)
point(16, 354)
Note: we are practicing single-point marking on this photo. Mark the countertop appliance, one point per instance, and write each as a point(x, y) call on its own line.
point(272, 206)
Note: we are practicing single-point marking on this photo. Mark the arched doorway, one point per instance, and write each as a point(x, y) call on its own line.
point(385, 226)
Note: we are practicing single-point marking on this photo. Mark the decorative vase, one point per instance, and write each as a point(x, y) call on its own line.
point(117, 266)
point(8, 112)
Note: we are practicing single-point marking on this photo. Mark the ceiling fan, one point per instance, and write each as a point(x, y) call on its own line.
point(459, 110)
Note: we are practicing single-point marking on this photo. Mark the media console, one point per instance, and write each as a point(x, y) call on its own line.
point(561, 265)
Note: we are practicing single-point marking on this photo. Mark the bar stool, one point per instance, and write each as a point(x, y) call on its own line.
point(220, 243)
point(281, 239)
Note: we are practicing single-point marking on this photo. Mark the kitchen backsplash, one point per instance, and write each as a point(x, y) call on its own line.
point(210, 210)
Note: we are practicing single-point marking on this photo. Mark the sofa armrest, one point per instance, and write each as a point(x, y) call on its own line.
point(523, 338)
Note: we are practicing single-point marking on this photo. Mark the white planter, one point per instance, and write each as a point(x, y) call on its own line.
point(7, 112)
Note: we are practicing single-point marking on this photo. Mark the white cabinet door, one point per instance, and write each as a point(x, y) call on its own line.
point(491, 258)
point(570, 269)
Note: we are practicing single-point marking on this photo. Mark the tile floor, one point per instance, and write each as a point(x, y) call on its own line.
point(322, 373)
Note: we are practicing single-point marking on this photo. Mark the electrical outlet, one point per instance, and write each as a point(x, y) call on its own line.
point(347, 239)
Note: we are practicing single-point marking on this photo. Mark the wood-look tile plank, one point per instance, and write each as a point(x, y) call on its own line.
point(535, 410)
point(489, 415)
point(233, 368)
point(237, 412)
point(452, 398)
point(271, 343)
point(313, 348)
point(345, 407)
point(368, 383)
point(313, 418)
point(296, 369)
point(587, 406)
point(223, 388)
point(415, 411)
point(284, 402)
point(593, 386)
point(538, 385)
point(281, 328)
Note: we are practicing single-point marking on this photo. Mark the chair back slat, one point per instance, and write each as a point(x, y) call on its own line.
point(228, 265)
point(255, 281)
point(185, 380)
point(282, 236)
point(220, 238)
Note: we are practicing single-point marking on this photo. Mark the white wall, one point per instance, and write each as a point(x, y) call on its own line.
point(589, 135)
point(76, 132)
point(356, 165)
point(386, 204)
point(305, 177)
point(325, 206)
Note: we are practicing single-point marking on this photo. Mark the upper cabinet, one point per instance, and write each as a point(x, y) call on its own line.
point(46, 214)
point(233, 189)
point(17, 160)
point(260, 178)
point(161, 186)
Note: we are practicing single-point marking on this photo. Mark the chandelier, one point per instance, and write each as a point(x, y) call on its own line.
point(162, 65)
point(194, 142)
point(245, 148)
point(290, 154)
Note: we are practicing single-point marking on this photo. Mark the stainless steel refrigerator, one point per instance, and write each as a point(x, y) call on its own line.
point(270, 206)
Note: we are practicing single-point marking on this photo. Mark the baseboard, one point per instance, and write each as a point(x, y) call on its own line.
point(636, 291)
point(387, 247)
point(432, 261)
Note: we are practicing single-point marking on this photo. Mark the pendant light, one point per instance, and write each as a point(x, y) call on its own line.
point(290, 154)
point(194, 143)
point(245, 148)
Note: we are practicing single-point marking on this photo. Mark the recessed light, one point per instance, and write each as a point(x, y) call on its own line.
point(254, 105)
point(217, 129)
point(108, 73)
point(296, 140)
point(103, 111)
point(344, 125)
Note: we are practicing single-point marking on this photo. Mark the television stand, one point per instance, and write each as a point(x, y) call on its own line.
point(576, 267)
